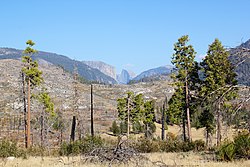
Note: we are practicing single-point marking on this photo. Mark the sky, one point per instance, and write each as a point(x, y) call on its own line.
point(132, 34)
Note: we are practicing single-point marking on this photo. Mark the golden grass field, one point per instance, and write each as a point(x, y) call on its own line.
point(189, 159)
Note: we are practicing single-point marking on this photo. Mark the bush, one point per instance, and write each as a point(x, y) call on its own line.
point(242, 145)
point(226, 151)
point(80, 146)
point(145, 145)
point(199, 145)
point(123, 127)
point(173, 145)
point(137, 127)
point(8, 148)
point(239, 148)
point(36, 151)
point(115, 128)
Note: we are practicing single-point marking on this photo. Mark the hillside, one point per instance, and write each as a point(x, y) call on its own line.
point(59, 84)
point(240, 56)
point(87, 72)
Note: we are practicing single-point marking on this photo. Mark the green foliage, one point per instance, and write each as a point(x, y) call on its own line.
point(242, 145)
point(58, 122)
point(137, 127)
point(239, 148)
point(80, 146)
point(226, 151)
point(45, 99)
point(115, 128)
point(30, 68)
point(9, 148)
point(146, 145)
point(176, 107)
point(123, 127)
point(186, 80)
point(218, 71)
point(141, 111)
point(217, 84)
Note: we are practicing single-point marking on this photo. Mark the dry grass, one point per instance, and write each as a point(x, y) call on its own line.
point(172, 159)
point(197, 134)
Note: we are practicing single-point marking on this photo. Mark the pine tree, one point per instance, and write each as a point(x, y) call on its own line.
point(149, 118)
point(33, 78)
point(183, 59)
point(218, 85)
point(135, 109)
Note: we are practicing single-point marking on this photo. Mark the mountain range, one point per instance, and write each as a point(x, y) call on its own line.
point(90, 70)
point(85, 71)
point(101, 72)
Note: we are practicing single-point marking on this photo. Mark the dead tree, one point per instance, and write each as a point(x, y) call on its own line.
point(163, 121)
point(91, 111)
point(73, 128)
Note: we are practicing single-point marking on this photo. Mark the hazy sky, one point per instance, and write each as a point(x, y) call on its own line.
point(131, 34)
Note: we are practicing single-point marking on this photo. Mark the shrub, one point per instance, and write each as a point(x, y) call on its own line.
point(115, 129)
point(36, 151)
point(80, 146)
point(123, 127)
point(172, 145)
point(137, 127)
point(9, 148)
point(226, 151)
point(239, 148)
point(145, 145)
point(242, 145)
point(199, 145)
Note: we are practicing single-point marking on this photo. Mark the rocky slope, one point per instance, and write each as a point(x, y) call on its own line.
point(103, 67)
point(61, 86)
point(240, 56)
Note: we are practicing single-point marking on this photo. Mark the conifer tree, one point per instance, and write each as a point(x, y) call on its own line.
point(148, 117)
point(185, 80)
point(33, 78)
point(140, 111)
point(218, 84)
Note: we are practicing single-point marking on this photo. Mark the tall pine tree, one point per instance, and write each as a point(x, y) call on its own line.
point(218, 87)
point(185, 80)
point(33, 77)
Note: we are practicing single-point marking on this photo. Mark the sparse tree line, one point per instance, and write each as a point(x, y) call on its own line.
point(136, 114)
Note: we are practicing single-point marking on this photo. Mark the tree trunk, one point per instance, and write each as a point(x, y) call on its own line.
point(163, 120)
point(92, 112)
point(24, 111)
point(73, 128)
point(128, 117)
point(42, 127)
point(184, 128)
point(147, 131)
point(207, 136)
point(187, 110)
point(28, 116)
point(218, 126)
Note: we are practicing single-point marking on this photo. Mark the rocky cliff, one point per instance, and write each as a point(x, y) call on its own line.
point(103, 67)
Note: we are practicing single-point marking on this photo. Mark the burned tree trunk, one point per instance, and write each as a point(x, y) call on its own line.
point(73, 129)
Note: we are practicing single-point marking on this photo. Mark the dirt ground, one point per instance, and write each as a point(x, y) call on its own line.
point(189, 159)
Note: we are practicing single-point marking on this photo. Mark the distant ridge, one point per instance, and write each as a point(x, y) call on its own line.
point(154, 73)
point(68, 64)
